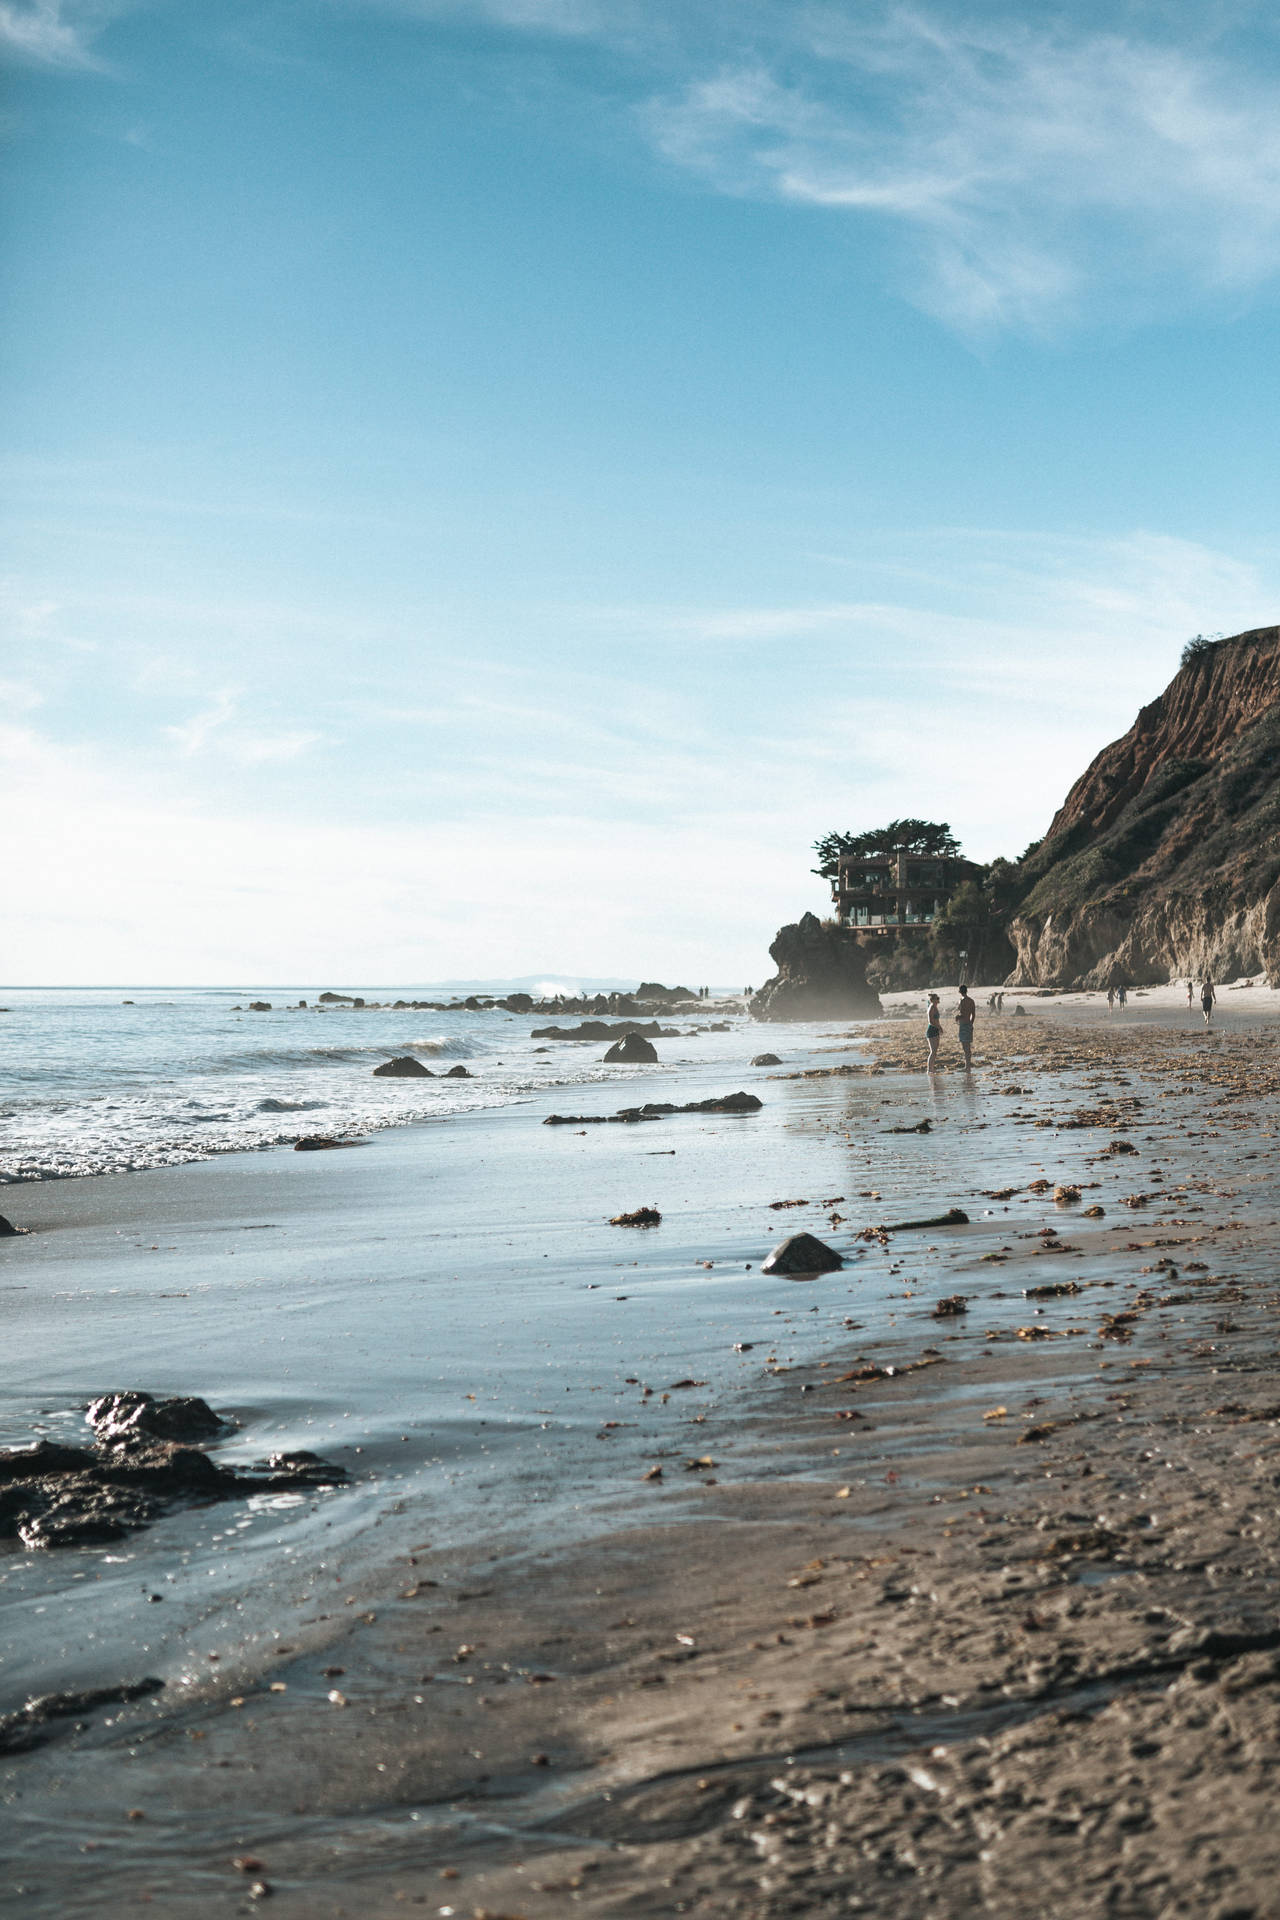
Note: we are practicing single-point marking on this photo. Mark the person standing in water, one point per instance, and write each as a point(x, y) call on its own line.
point(966, 1014)
point(933, 1032)
point(1207, 998)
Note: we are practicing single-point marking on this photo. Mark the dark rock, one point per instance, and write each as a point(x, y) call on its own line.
point(604, 1030)
point(822, 975)
point(642, 1217)
point(953, 1304)
point(725, 1103)
point(161, 1467)
point(46, 1457)
point(334, 999)
point(658, 1110)
point(127, 1416)
point(518, 1003)
point(259, 1006)
point(802, 1253)
point(318, 1143)
point(921, 1126)
point(403, 1067)
point(766, 1060)
point(55, 1496)
point(458, 1073)
point(632, 1050)
point(953, 1217)
point(84, 1515)
point(6, 1228)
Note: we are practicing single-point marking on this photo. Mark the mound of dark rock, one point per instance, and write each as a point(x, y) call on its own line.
point(766, 1060)
point(130, 1416)
point(7, 1228)
point(658, 1110)
point(458, 1073)
point(605, 1030)
point(138, 1468)
point(403, 1067)
point(641, 1217)
point(801, 1254)
point(632, 1050)
point(822, 975)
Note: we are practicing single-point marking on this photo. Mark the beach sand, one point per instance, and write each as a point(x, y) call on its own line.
point(923, 1615)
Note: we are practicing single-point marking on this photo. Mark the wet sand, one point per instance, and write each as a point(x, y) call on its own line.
point(996, 1631)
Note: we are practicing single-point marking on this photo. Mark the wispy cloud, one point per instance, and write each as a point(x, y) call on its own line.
point(195, 734)
point(216, 727)
point(1029, 166)
point(570, 17)
point(52, 33)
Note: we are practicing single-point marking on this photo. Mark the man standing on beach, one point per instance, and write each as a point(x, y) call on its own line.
point(1207, 998)
point(966, 1014)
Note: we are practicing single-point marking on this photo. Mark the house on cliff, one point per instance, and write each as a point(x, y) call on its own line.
point(884, 892)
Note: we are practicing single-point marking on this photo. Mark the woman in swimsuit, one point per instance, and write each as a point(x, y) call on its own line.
point(933, 1032)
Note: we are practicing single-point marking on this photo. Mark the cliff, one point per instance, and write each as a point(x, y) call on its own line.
point(822, 975)
point(1164, 858)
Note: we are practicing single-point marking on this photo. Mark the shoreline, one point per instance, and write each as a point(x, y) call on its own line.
point(618, 1712)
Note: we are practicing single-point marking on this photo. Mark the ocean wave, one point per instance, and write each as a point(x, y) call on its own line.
point(149, 1137)
point(266, 1059)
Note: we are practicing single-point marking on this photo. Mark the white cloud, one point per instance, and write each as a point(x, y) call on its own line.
point(567, 17)
point(649, 810)
point(1029, 165)
point(52, 33)
point(123, 881)
point(194, 736)
point(215, 729)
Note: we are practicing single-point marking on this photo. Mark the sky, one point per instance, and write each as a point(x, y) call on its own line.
point(487, 483)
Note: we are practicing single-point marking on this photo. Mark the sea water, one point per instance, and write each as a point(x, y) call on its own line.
point(124, 1079)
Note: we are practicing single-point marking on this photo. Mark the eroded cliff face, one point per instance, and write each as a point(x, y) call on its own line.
point(1164, 859)
point(1201, 713)
point(822, 975)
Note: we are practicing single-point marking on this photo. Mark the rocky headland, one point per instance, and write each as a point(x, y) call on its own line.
point(822, 975)
point(1164, 858)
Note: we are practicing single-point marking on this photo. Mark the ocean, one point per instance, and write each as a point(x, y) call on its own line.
point(120, 1080)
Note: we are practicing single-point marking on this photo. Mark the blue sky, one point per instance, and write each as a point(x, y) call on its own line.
point(488, 483)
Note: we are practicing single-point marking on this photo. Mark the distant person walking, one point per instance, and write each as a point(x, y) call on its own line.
point(966, 1014)
point(1122, 993)
point(933, 1032)
point(1207, 998)
point(1188, 996)
point(1111, 999)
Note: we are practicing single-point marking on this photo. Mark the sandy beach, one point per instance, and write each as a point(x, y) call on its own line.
point(857, 1607)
